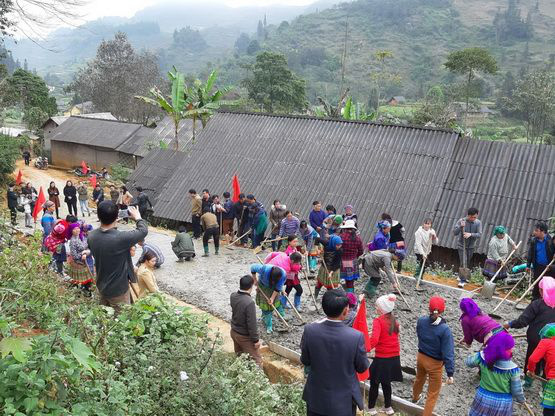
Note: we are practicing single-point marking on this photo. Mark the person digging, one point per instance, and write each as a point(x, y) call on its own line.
point(377, 262)
point(269, 284)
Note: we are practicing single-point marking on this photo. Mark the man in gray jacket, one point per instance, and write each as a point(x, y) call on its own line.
point(244, 330)
point(467, 231)
point(110, 248)
point(379, 262)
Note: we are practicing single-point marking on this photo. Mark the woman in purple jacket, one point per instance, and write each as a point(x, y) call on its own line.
point(476, 325)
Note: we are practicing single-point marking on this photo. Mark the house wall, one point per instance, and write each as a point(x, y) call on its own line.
point(69, 155)
point(48, 131)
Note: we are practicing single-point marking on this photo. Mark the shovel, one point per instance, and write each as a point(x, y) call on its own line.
point(408, 370)
point(532, 375)
point(258, 249)
point(237, 239)
point(492, 314)
point(464, 271)
point(488, 290)
point(535, 283)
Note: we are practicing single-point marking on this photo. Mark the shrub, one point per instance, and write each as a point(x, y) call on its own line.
point(120, 172)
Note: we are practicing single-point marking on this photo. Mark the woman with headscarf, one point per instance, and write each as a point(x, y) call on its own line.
point(499, 247)
point(352, 250)
point(546, 351)
point(55, 244)
point(386, 366)
point(381, 239)
point(328, 275)
point(536, 315)
point(499, 378)
point(435, 350)
point(476, 326)
point(349, 214)
point(309, 235)
point(269, 284)
point(78, 270)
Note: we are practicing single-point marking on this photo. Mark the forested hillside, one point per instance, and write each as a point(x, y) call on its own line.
point(419, 33)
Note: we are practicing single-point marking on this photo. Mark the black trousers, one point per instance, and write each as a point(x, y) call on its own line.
point(196, 226)
point(373, 395)
point(13, 215)
point(310, 413)
point(538, 269)
point(72, 207)
point(211, 232)
point(298, 289)
point(548, 412)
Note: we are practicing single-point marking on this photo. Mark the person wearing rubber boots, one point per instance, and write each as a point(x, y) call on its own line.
point(377, 262)
point(269, 283)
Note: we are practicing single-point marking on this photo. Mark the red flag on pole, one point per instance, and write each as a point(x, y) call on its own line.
point(84, 167)
point(360, 324)
point(236, 188)
point(93, 181)
point(19, 178)
point(38, 204)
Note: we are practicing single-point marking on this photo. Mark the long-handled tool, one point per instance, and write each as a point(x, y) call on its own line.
point(464, 271)
point(492, 314)
point(309, 287)
point(488, 289)
point(401, 293)
point(328, 273)
point(259, 248)
point(294, 308)
point(528, 409)
point(237, 239)
point(535, 282)
point(421, 273)
point(274, 308)
point(532, 375)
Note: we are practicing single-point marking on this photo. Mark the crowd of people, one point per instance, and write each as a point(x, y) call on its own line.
point(328, 246)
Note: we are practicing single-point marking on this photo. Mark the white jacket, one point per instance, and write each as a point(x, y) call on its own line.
point(423, 241)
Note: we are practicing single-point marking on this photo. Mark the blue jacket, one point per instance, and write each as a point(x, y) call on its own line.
point(436, 341)
point(264, 271)
point(316, 218)
point(229, 213)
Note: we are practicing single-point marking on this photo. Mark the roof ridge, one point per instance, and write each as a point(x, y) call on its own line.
point(82, 117)
point(338, 120)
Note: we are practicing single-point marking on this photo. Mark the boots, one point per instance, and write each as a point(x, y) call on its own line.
point(217, 250)
point(298, 302)
point(284, 302)
point(205, 251)
point(370, 289)
point(527, 383)
point(267, 319)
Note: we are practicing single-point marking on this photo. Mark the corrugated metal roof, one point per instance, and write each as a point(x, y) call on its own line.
point(165, 132)
point(95, 132)
point(154, 171)
point(375, 168)
point(60, 119)
point(509, 183)
point(136, 144)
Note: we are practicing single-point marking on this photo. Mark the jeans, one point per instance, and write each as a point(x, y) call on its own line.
point(196, 226)
point(276, 245)
point(84, 207)
point(72, 207)
point(428, 368)
point(373, 395)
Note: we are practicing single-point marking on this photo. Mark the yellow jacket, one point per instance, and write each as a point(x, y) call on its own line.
point(146, 281)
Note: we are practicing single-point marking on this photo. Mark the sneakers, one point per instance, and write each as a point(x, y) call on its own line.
point(372, 412)
point(388, 411)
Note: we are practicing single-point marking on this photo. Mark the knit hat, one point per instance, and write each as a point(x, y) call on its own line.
point(469, 308)
point(338, 219)
point(499, 230)
point(547, 285)
point(349, 224)
point(437, 304)
point(386, 303)
point(351, 297)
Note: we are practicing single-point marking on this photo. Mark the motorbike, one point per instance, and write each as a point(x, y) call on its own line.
point(41, 162)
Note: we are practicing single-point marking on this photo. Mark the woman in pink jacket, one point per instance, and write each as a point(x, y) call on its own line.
point(292, 265)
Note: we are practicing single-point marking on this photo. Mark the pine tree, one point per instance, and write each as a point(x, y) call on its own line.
point(260, 30)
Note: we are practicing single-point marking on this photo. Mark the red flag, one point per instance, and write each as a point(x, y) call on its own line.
point(361, 325)
point(84, 167)
point(19, 178)
point(38, 204)
point(93, 181)
point(236, 188)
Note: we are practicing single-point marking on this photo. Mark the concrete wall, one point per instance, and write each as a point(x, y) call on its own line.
point(69, 155)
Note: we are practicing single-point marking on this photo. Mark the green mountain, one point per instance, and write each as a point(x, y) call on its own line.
point(419, 33)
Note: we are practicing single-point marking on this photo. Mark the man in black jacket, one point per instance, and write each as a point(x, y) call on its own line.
point(334, 353)
point(241, 214)
point(143, 202)
point(540, 254)
point(12, 203)
point(244, 330)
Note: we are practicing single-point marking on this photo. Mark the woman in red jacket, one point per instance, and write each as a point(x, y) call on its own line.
point(546, 351)
point(386, 366)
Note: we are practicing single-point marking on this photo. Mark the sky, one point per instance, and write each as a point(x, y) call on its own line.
point(95, 9)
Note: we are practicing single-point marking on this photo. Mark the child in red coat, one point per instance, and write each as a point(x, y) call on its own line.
point(546, 351)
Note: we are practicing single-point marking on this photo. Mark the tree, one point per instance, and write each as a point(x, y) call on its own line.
point(435, 110)
point(534, 100)
point(115, 76)
point(188, 39)
point(29, 91)
point(381, 74)
point(242, 43)
point(196, 102)
point(469, 62)
point(34, 117)
point(260, 31)
point(273, 86)
point(253, 47)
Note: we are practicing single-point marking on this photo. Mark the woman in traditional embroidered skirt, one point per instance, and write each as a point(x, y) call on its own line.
point(499, 378)
point(78, 270)
point(328, 275)
point(352, 249)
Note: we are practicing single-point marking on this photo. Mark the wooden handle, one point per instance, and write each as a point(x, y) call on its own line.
point(535, 282)
point(504, 262)
point(508, 294)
